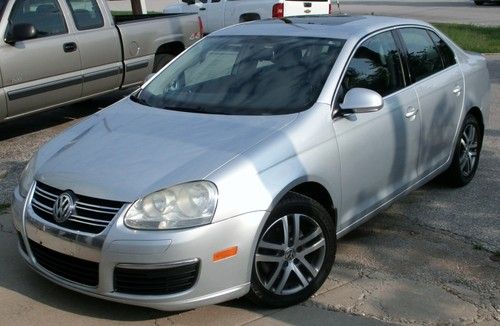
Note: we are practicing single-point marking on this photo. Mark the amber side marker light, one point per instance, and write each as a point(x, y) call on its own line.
point(226, 253)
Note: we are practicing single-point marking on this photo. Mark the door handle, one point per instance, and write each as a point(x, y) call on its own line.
point(411, 112)
point(457, 90)
point(69, 47)
point(203, 9)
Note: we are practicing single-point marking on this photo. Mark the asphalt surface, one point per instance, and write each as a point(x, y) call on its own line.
point(426, 260)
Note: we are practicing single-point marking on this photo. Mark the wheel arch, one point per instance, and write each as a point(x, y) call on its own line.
point(476, 112)
point(175, 48)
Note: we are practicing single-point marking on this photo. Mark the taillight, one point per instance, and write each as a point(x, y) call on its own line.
point(330, 8)
point(278, 11)
point(200, 25)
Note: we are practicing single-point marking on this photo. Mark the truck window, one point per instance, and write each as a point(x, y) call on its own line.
point(45, 15)
point(86, 14)
point(2, 6)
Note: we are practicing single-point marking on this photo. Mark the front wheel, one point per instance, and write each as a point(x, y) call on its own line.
point(467, 152)
point(294, 254)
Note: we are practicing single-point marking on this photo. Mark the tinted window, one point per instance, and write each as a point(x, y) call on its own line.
point(446, 53)
point(2, 6)
point(86, 14)
point(376, 65)
point(423, 57)
point(254, 75)
point(45, 15)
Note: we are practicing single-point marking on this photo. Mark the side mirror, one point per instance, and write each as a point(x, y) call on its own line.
point(360, 100)
point(189, 2)
point(21, 32)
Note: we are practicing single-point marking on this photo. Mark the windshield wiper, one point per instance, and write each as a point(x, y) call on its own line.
point(196, 109)
point(139, 100)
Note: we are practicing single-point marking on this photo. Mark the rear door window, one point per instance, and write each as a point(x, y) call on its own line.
point(86, 14)
point(446, 52)
point(423, 56)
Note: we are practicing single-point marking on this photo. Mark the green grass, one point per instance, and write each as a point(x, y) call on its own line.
point(484, 39)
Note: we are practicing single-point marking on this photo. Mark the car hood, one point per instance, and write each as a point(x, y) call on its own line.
point(128, 150)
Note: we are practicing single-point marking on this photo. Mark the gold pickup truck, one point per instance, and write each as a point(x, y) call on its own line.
point(56, 52)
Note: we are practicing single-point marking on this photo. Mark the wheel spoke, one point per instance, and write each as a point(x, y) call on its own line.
point(286, 235)
point(301, 276)
point(267, 258)
point(296, 229)
point(313, 271)
point(310, 237)
point(471, 134)
point(318, 245)
point(285, 277)
point(269, 245)
point(275, 275)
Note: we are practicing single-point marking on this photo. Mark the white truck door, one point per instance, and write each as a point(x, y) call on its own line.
point(212, 14)
point(309, 7)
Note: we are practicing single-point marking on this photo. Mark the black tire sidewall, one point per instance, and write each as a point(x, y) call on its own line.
point(295, 203)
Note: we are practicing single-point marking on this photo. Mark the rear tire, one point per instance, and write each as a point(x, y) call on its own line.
point(479, 2)
point(289, 269)
point(466, 154)
point(161, 59)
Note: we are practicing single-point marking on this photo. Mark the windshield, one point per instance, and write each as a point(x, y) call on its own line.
point(245, 75)
point(2, 6)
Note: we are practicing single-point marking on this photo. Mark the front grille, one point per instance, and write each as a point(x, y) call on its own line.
point(156, 281)
point(68, 267)
point(91, 215)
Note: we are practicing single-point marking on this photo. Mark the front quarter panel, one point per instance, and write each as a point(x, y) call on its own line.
point(305, 150)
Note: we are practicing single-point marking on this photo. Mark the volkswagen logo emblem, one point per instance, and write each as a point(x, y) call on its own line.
point(64, 207)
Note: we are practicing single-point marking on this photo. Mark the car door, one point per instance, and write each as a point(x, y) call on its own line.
point(43, 71)
point(99, 46)
point(212, 14)
point(439, 84)
point(378, 150)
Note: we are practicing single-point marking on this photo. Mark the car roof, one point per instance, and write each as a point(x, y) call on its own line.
point(336, 26)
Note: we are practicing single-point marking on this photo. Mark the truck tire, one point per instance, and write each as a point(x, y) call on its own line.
point(479, 2)
point(161, 59)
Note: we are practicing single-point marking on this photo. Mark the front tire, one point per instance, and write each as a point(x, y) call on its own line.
point(467, 152)
point(294, 254)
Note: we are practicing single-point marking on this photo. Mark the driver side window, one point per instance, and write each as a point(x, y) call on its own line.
point(45, 15)
point(376, 65)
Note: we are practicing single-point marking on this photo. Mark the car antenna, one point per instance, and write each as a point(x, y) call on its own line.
point(286, 20)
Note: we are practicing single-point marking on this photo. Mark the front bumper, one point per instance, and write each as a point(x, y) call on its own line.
point(119, 246)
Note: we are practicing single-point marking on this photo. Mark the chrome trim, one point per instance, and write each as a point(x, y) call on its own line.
point(159, 266)
point(80, 205)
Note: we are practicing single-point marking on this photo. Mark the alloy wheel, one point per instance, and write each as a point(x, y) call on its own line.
point(468, 149)
point(290, 254)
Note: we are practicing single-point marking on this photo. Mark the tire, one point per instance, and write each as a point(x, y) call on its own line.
point(277, 265)
point(466, 155)
point(478, 2)
point(161, 60)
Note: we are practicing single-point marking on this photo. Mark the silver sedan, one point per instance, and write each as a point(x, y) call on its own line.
point(235, 170)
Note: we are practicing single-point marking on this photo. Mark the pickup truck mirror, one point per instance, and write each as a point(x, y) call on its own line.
point(360, 100)
point(21, 32)
point(189, 2)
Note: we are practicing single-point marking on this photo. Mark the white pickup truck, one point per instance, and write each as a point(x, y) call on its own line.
point(56, 52)
point(216, 14)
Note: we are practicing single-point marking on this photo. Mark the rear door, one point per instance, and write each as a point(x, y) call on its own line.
point(311, 7)
point(99, 46)
point(212, 14)
point(439, 84)
point(44, 71)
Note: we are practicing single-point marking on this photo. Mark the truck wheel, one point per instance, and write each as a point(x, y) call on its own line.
point(466, 155)
point(478, 2)
point(161, 60)
point(294, 254)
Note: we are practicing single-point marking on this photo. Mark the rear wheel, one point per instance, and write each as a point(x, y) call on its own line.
point(467, 152)
point(295, 253)
point(161, 59)
point(478, 2)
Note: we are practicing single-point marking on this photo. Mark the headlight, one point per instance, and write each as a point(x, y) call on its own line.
point(27, 177)
point(182, 206)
